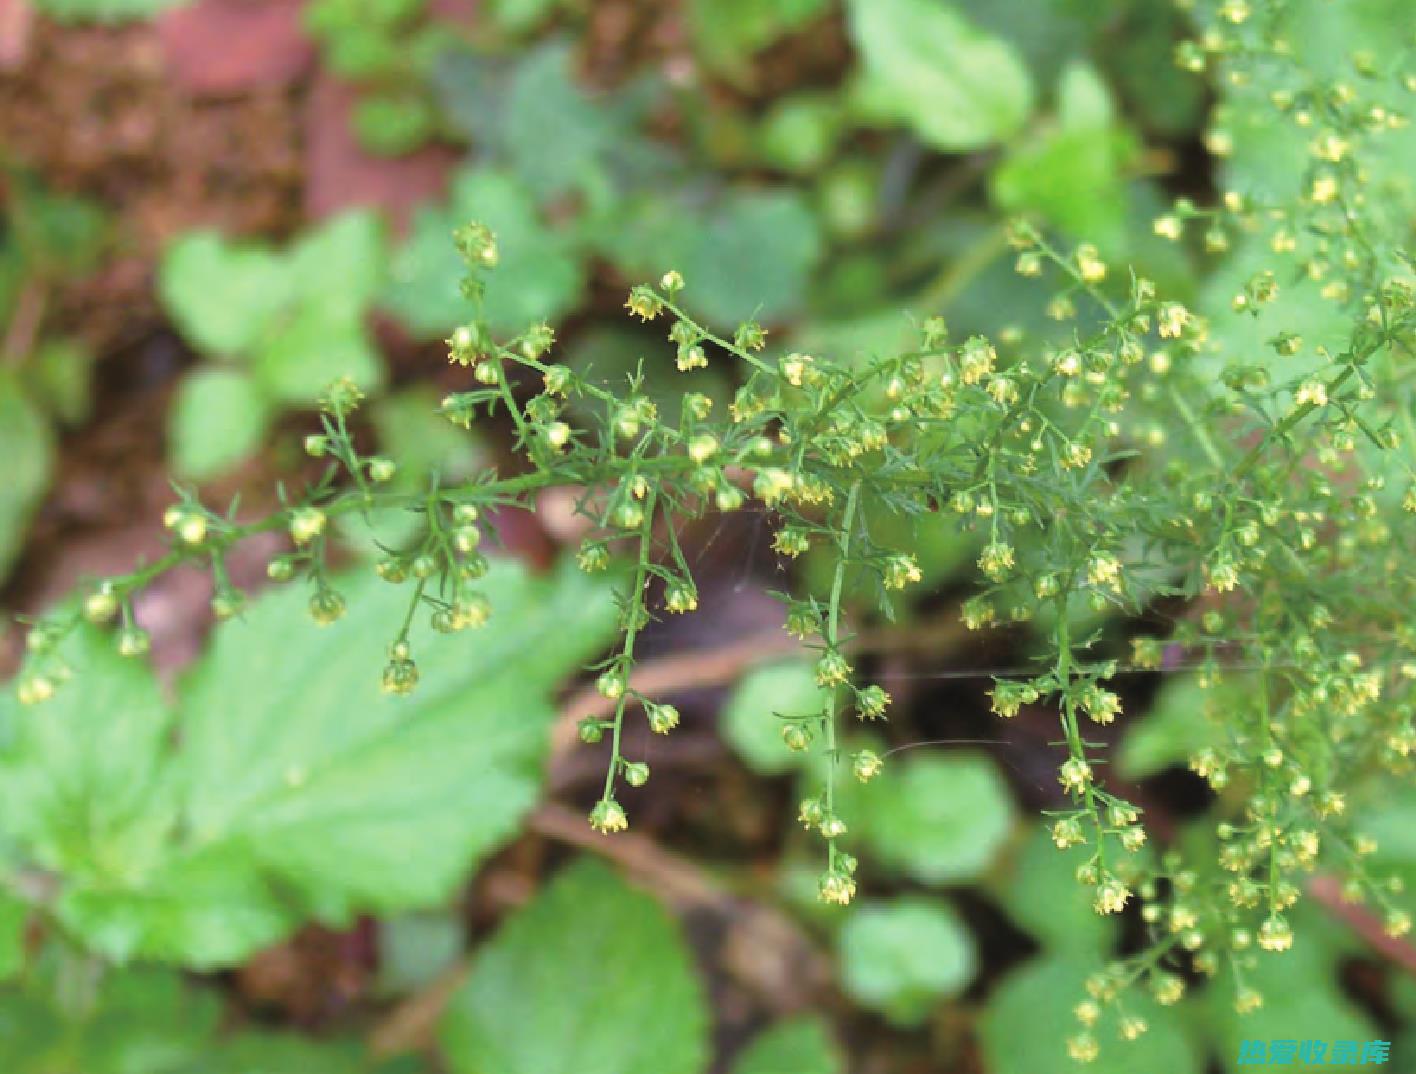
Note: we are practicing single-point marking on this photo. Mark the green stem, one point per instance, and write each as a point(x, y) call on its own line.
point(635, 611)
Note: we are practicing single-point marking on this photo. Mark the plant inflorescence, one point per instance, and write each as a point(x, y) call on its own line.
point(1137, 466)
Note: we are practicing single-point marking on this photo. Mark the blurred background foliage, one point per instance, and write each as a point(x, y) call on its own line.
point(211, 210)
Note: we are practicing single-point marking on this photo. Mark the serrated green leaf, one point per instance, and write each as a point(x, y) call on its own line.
point(218, 418)
point(539, 278)
point(958, 87)
point(315, 346)
point(939, 818)
point(798, 1046)
point(592, 977)
point(749, 718)
point(27, 446)
point(315, 796)
point(553, 135)
point(1029, 1020)
point(82, 789)
point(902, 957)
point(223, 296)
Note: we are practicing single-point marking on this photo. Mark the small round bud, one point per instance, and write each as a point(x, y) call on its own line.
point(382, 469)
point(101, 605)
point(306, 523)
point(611, 684)
point(796, 737)
point(316, 446)
point(280, 569)
point(591, 731)
point(466, 539)
point(133, 641)
point(326, 607)
point(636, 773)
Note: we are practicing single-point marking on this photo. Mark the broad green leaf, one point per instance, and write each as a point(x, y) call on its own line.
point(14, 915)
point(223, 296)
point(218, 418)
point(727, 32)
point(312, 348)
point(522, 16)
point(1184, 718)
point(340, 263)
point(1071, 174)
point(104, 11)
point(800, 131)
point(269, 1053)
point(59, 378)
point(27, 446)
point(1041, 893)
point(139, 1022)
point(57, 236)
point(1029, 1019)
point(799, 1046)
point(415, 948)
point(592, 977)
point(750, 717)
point(901, 958)
point(1302, 1000)
point(539, 278)
point(82, 788)
point(751, 257)
point(958, 87)
point(315, 796)
point(608, 356)
point(412, 431)
point(148, 1022)
point(941, 818)
point(554, 134)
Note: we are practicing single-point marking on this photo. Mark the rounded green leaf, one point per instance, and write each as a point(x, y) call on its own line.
point(798, 1046)
point(222, 296)
point(903, 957)
point(592, 977)
point(750, 718)
point(939, 818)
point(958, 87)
point(1029, 1020)
point(218, 419)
